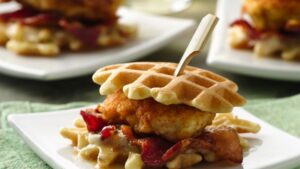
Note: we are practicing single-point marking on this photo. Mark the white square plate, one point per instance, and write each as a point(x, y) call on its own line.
point(241, 61)
point(271, 148)
point(154, 33)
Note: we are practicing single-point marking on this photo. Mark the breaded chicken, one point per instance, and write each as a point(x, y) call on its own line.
point(82, 9)
point(273, 14)
point(173, 122)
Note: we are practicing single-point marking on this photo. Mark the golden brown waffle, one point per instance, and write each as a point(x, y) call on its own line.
point(196, 87)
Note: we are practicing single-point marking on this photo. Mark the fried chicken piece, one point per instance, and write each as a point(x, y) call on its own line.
point(173, 122)
point(82, 9)
point(273, 14)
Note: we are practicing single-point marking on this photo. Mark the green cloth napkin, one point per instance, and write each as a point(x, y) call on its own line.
point(15, 154)
point(282, 113)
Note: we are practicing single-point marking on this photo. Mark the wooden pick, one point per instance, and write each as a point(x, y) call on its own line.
point(198, 41)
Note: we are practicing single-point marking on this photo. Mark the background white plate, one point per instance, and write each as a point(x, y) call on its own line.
point(241, 61)
point(271, 148)
point(154, 33)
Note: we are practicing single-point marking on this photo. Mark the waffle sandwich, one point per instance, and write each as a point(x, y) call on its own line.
point(47, 27)
point(151, 118)
point(272, 30)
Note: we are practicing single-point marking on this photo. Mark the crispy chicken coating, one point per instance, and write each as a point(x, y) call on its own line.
point(82, 9)
point(273, 14)
point(173, 122)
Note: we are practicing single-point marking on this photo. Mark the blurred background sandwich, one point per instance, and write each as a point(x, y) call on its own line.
point(270, 28)
point(46, 27)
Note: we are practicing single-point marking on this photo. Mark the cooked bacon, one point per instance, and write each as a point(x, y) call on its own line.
point(177, 149)
point(223, 141)
point(29, 16)
point(43, 19)
point(107, 131)
point(21, 13)
point(153, 149)
point(291, 30)
point(87, 35)
point(252, 32)
point(93, 120)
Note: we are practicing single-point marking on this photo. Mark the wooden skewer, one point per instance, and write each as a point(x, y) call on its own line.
point(198, 41)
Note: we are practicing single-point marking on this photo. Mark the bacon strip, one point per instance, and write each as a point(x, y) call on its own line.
point(87, 35)
point(107, 131)
point(94, 122)
point(291, 30)
point(176, 149)
point(253, 33)
point(29, 16)
point(21, 13)
point(223, 141)
point(44, 19)
point(153, 149)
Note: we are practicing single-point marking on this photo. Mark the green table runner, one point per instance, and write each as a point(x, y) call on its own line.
point(15, 154)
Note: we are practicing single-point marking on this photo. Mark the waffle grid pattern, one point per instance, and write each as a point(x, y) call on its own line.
point(196, 87)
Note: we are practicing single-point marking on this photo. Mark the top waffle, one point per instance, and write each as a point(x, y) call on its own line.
point(196, 87)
